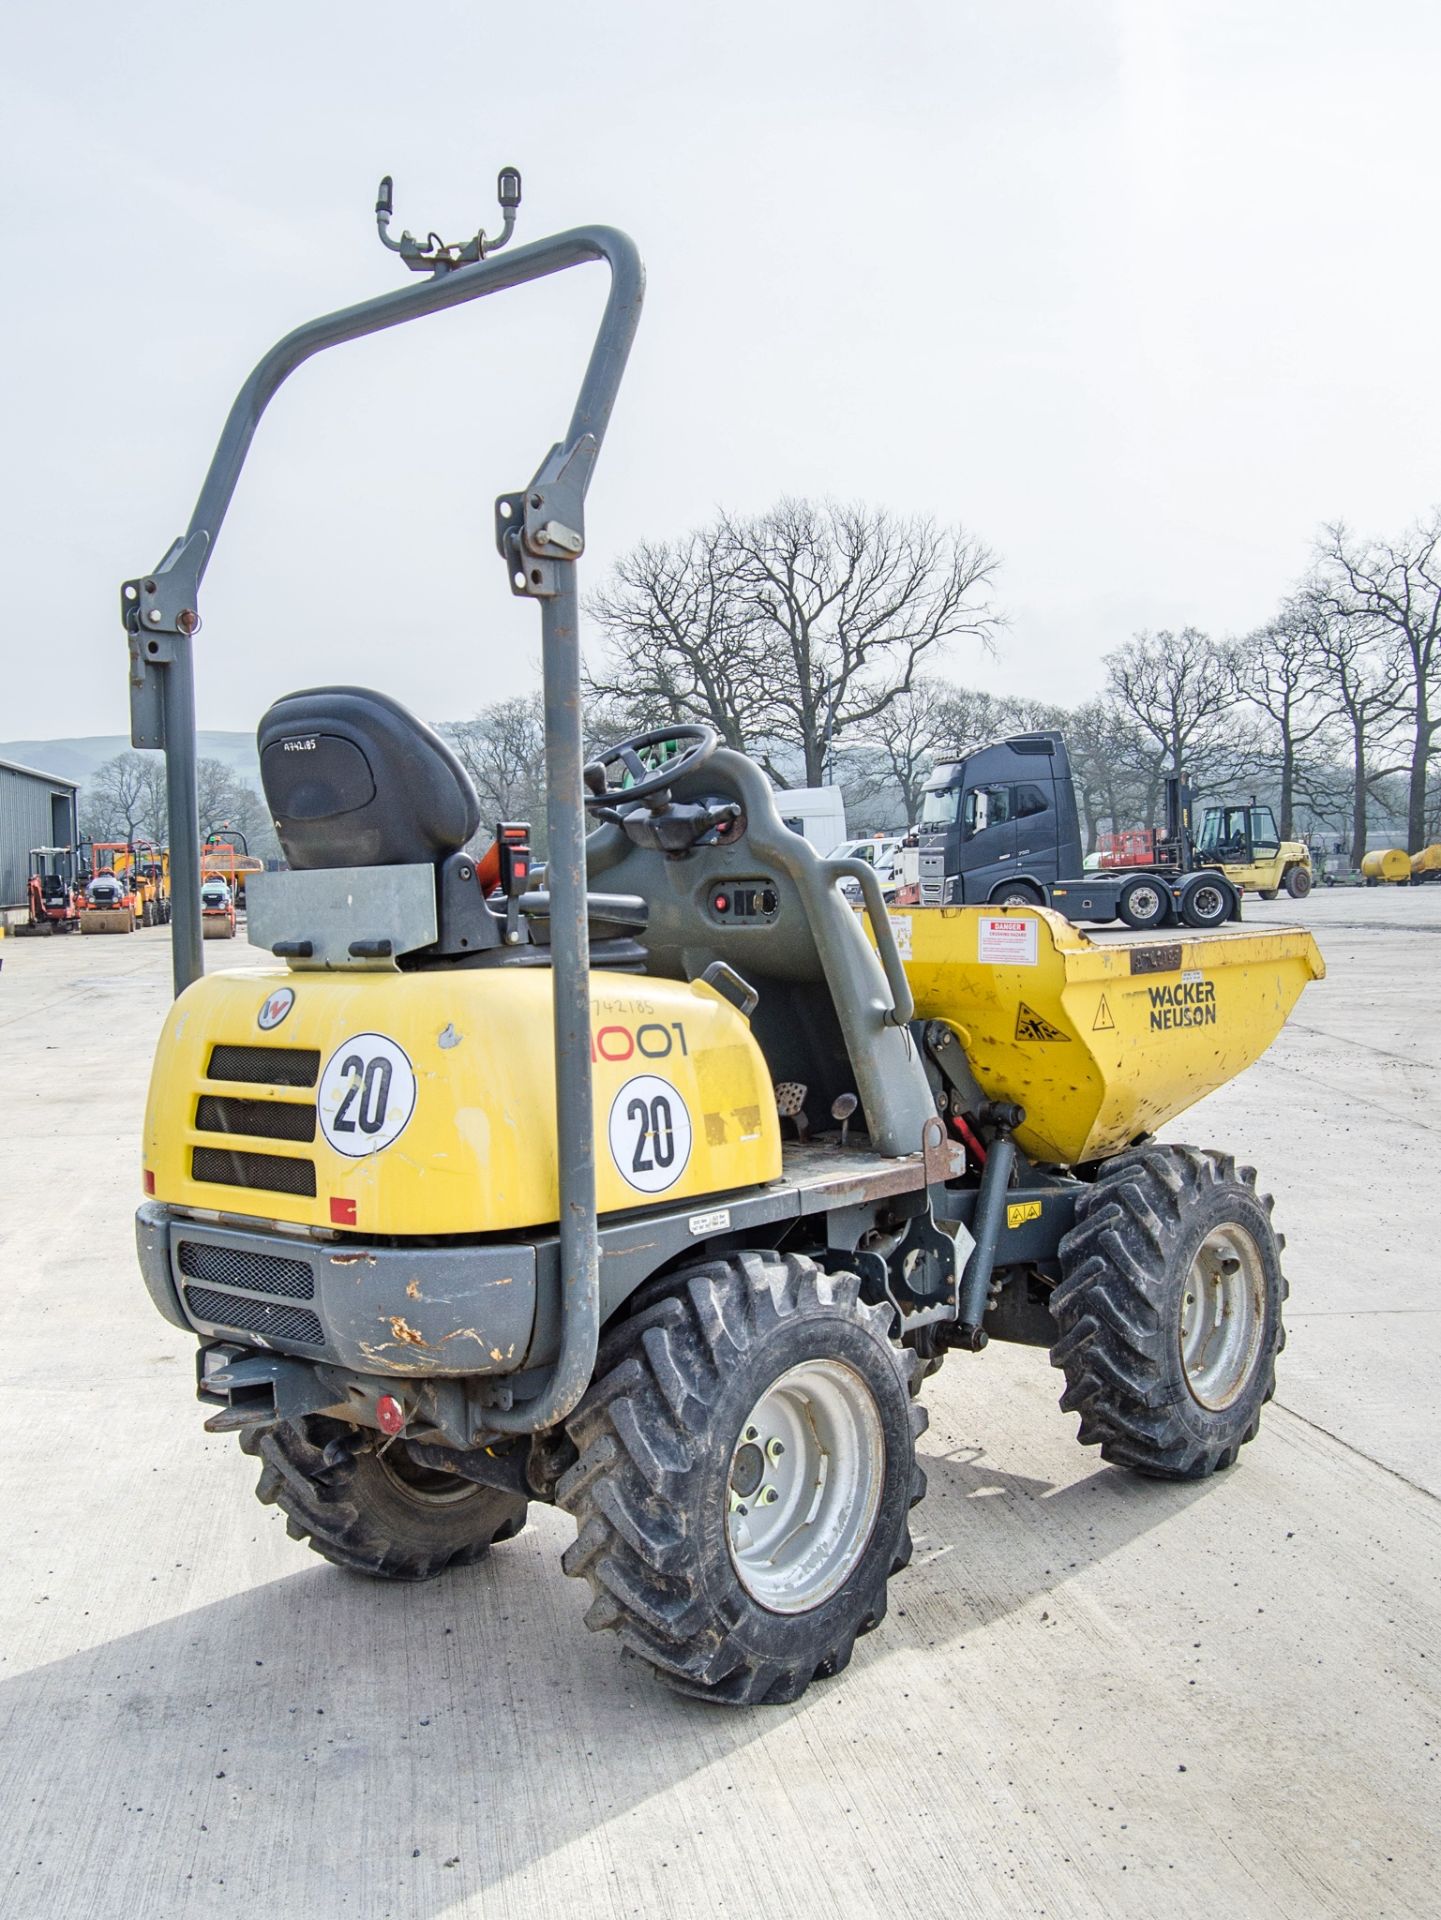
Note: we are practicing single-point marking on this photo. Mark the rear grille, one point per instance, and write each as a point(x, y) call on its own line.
point(269, 1171)
point(265, 1066)
point(239, 1267)
point(295, 1324)
point(261, 1119)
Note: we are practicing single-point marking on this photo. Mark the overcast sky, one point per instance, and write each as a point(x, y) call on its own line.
point(1141, 291)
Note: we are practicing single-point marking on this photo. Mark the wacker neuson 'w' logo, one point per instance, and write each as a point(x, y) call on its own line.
point(1191, 1003)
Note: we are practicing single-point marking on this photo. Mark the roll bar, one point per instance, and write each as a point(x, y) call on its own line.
point(540, 533)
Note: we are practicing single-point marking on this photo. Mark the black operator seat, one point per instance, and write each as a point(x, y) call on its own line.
point(353, 779)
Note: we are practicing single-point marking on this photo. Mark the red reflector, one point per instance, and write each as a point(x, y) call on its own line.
point(148, 1180)
point(342, 1213)
point(721, 903)
point(519, 869)
point(389, 1413)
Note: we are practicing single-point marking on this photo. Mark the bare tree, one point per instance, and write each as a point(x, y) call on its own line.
point(503, 750)
point(1283, 671)
point(1368, 678)
point(1116, 768)
point(909, 735)
point(680, 642)
point(849, 602)
point(1179, 690)
point(790, 631)
point(119, 801)
point(1394, 588)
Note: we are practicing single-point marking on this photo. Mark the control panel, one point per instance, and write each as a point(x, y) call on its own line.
point(744, 902)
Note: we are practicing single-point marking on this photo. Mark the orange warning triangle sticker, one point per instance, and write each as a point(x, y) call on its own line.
point(1030, 1025)
point(1103, 1023)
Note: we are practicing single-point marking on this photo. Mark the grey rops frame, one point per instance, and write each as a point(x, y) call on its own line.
point(541, 536)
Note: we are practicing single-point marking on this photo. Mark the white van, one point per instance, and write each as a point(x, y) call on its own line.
point(882, 851)
point(818, 814)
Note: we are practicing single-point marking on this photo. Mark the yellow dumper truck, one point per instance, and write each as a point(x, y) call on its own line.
point(651, 1182)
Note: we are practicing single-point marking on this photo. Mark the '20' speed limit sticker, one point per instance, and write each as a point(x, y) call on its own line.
point(366, 1095)
point(650, 1133)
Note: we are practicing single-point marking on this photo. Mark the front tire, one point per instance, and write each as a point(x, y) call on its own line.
point(1169, 1311)
point(375, 1511)
point(747, 1467)
point(1016, 893)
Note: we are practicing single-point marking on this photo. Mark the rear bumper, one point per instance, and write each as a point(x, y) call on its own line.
point(456, 1309)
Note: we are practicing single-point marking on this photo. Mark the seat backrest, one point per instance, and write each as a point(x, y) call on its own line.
point(353, 779)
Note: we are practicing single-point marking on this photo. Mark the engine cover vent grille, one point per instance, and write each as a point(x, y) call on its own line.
point(296, 1325)
point(241, 1267)
point(265, 1066)
point(261, 1119)
point(228, 1167)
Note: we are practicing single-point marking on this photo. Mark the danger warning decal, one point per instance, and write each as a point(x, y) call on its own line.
point(1030, 1025)
point(1005, 942)
point(650, 1133)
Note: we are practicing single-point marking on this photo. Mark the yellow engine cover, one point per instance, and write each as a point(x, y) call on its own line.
point(424, 1103)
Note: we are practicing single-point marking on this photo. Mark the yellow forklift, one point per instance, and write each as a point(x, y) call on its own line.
point(1244, 843)
point(646, 1182)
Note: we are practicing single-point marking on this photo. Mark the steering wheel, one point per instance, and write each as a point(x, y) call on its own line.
point(700, 743)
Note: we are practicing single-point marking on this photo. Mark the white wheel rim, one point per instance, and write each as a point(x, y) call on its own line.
point(1144, 902)
point(804, 1486)
point(1222, 1316)
point(1208, 902)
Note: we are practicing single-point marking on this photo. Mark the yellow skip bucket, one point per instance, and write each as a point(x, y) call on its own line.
point(1100, 1040)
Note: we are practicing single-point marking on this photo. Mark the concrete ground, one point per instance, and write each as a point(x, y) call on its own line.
point(1094, 1695)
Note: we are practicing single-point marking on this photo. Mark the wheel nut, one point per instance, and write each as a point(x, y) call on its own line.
point(775, 1448)
point(769, 1496)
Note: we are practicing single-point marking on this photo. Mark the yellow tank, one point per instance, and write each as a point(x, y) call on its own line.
point(1391, 865)
point(424, 1103)
point(1100, 1041)
point(1427, 861)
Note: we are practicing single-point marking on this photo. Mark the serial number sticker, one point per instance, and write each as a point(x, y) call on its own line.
point(1192, 975)
point(703, 1223)
point(650, 1133)
point(901, 928)
point(1022, 1211)
point(366, 1095)
point(1003, 942)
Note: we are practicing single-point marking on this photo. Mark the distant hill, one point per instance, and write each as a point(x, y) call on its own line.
point(77, 759)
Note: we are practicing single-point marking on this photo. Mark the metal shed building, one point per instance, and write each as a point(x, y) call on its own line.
point(36, 810)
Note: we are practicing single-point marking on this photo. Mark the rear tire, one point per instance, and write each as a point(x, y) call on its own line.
point(1143, 904)
point(1207, 903)
point(678, 1478)
point(1169, 1310)
point(1297, 882)
point(376, 1512)
point(1268, 893)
